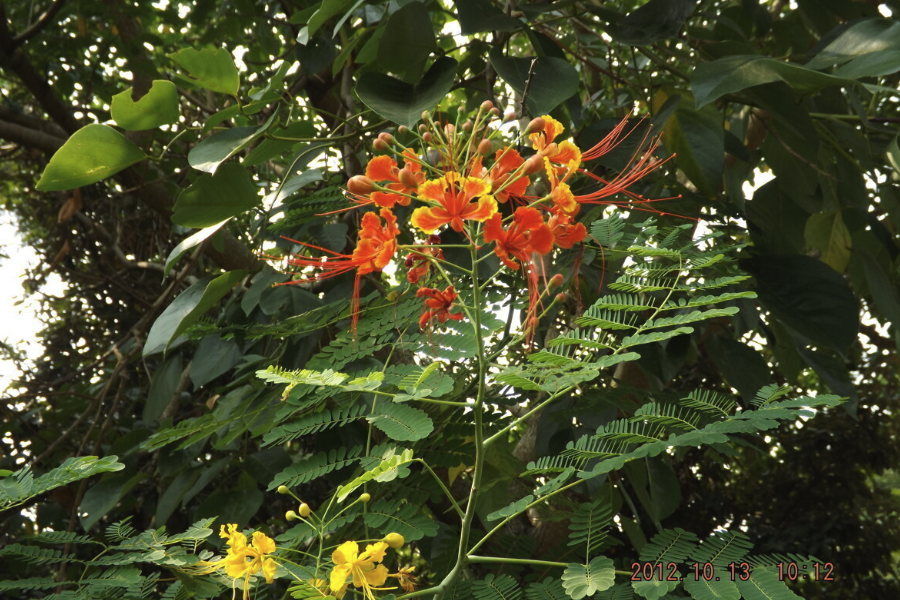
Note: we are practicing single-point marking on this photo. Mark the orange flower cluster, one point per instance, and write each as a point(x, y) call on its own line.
point(469, 180)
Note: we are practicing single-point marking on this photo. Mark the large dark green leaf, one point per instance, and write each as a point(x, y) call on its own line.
point(827, 233)
point(157, 107)
point(408, 39)
point(742, 367)
point(214, 150)
point(401, 102)
point(712, 80)
point(654, 21)
point(868, 37)
point(476, 16)
point(93, 153)
point(213, 198)
point(809, 297)
point(188, 308)
point(553, 80)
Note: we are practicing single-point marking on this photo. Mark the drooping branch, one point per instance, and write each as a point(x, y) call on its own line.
point(44, 20)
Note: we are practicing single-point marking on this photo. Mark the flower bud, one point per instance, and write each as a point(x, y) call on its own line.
point(533, 164)
point(394, 540)
point(560, 298)
point(449, 130)
point(403, 130)
point(555, 281)
point(283, 489)
point(364, 498)
point(423, 127)
point(485, 147)
point(425, 115)
point(486, 106)
point(536, 125)
point(408, 179)
point(392, 296)
point(495, 111)
point(380, 145)
point(467, 126)
point(426, 137)
point(290, 516)
point(362, 185)
point(388, 138)
point(509, 117)
point(304, 510)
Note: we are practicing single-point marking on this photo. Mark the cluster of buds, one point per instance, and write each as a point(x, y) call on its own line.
point(469, 179)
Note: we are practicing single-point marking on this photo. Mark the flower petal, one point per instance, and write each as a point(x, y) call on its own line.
point(429, 219)
point(380, 168)
point(486, 207)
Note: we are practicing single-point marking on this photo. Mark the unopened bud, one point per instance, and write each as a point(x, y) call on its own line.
point(560, 298)
point(423, 127)
point(394, 540)
point(380, 145)
point(533, 164)
point(486, 106)
point(536, 125)
point(495, 111)
point(362, 185)
point(426, 137)
point(485, 147)
point(364, 498)
point(403, 130)
point(290, 516)
point(388, 138)
point(509, 117)
point(467, 126)
point(304, 510)
point(391, 296)
point(449, 129)
point(555, 281)
point(408, 179)
point(425, 115)
point(283, 489)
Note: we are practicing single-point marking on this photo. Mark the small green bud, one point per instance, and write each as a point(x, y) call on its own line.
point(304, 510)
point(364, 498)
point(283, 489)
point(290, 516)
point(394, 540)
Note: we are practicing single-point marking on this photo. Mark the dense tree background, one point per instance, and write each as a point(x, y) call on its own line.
point(804, 92)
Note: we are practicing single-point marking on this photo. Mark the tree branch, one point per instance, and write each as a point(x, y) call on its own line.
point(44, 20)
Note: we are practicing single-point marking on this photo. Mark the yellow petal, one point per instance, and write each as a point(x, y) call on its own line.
point(376, 576)
point(339, 577)
point(263, 543)
point(345, 553)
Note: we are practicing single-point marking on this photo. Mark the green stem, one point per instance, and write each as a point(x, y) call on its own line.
point(515, 561)
point(443, 487)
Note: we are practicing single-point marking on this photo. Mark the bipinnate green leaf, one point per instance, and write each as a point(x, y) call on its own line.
point(389, 464)
point(550, 588)
point(765, 585)
point(215, 198)
point(401, 422)
point(92, 154)
point(722, 548)
point(213, 69)
point(718, 587)
point(712, 80)
point(19, 486)
point(553, 80)
point(584, 580)
point(653, 589)
point(669, 545)
point(187, 309)
point(159, 106)
point(502, 587)
point(587, 529)
point(406, 519)
point(315, 466)
point(190, 242)
point(511, 509)
point(401, 102)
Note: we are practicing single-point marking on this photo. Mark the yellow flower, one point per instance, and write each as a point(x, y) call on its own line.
point(242, 560)
point(362, 567)
point(406, 578)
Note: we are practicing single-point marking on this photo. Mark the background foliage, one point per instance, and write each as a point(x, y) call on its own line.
point(804, 93)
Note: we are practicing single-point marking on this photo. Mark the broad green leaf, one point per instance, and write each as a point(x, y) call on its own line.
point(476, 16)
point(809, 297)
point(697, 138)
point(408, 39)
point(190, 242)
point(213, 69)
point(585, 580)
point(712, 80)
point(553, 80)
point(742, 367)
point(212, 199)
point(214, 357)
point(400, 422)
point(157, 107)
point(104, 495)
point(326, 10)
point(652, 22)
point(401, 102)
point(827, 233)
point(866, 37)
point(875, 64)
point(93, 153)
point(220, 146)
point(162, 387)
point(188, 308)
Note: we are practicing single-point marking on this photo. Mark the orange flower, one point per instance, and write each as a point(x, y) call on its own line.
point(438, 305)
point(506, 161)
point(566, 154)
point(526, 234)
point(418, 263)
point(374, 250)
point(405, 180)
point(454, 195)
point(565, 233)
